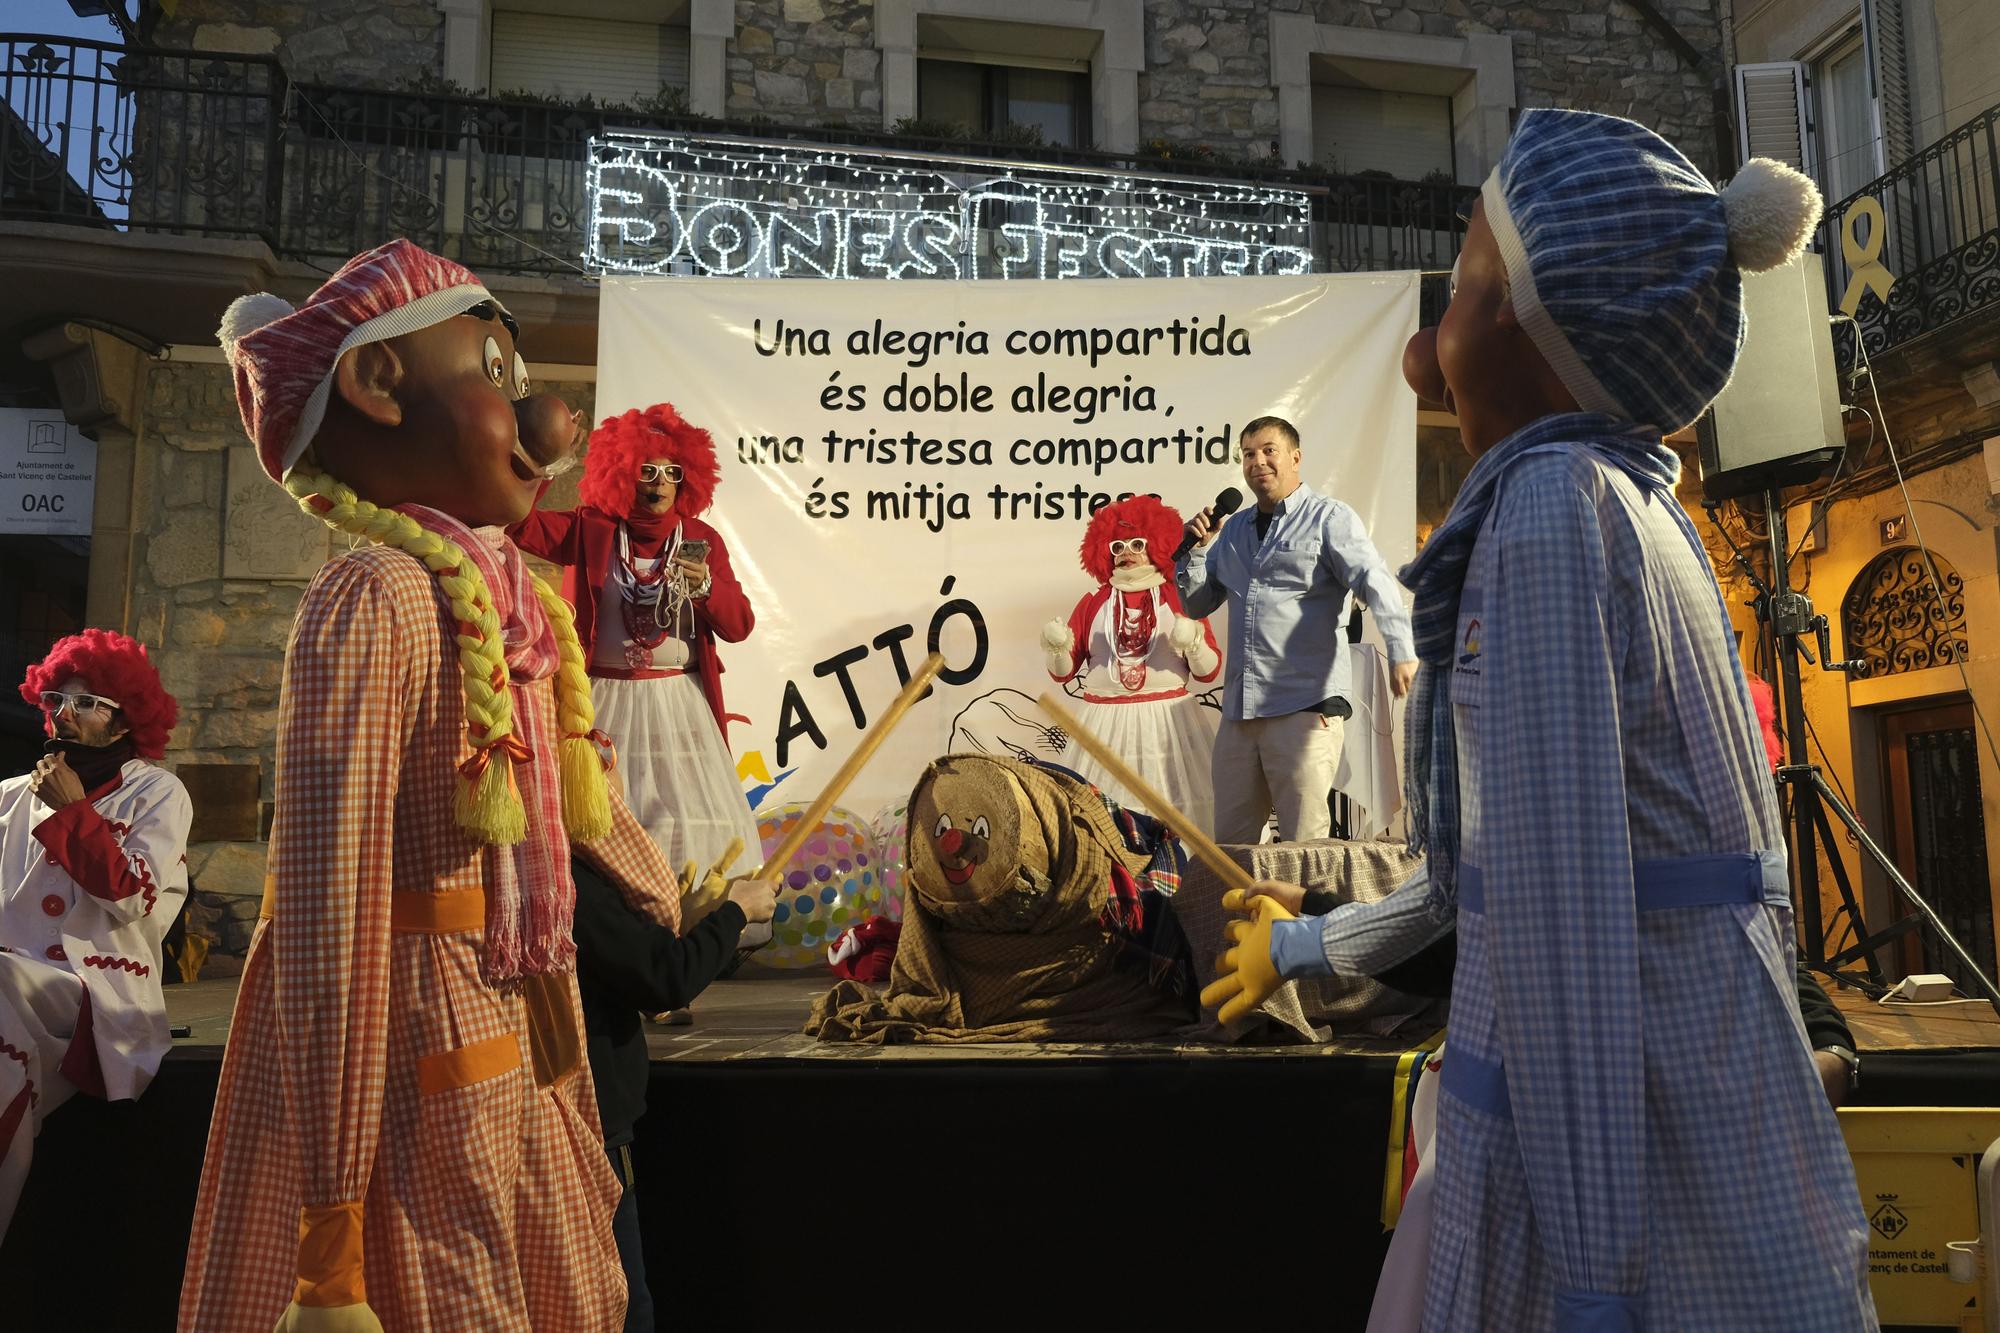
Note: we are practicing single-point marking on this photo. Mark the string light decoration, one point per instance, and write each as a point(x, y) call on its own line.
point(728, 207)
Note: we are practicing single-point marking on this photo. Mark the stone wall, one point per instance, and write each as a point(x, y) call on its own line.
point(1208, 64)
point(806, 62)
point(379, 43)
point(220, 642)
point(1208, 76)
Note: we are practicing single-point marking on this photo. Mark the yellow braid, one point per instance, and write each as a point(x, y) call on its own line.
point(586, 805)
point(488, 805)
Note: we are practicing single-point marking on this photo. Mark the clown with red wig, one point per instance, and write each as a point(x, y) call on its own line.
point(653, 592)
point(1133, 652)
point(93, 869)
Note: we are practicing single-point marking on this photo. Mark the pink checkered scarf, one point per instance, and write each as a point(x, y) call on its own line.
point(530, 896)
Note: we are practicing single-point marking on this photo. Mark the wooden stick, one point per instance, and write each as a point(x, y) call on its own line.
point(1197, 840)
point(919, 681)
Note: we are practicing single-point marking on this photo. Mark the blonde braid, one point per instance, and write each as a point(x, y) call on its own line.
point(488, 805)
point(586, 805)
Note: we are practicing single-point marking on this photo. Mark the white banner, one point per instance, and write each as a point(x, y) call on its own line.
point(48, 473)
point(913, 463)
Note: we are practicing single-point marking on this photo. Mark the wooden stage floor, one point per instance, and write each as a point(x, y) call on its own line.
point(758, 1019)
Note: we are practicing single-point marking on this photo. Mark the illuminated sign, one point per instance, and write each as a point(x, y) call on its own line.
point(728, 207)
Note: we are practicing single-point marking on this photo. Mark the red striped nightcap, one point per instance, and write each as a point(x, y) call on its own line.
point(284, 357)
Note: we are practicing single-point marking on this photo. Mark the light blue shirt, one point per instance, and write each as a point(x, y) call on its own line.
point(1287, 600)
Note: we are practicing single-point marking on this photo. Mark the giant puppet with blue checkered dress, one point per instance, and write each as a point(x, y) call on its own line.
point(1630, 1131)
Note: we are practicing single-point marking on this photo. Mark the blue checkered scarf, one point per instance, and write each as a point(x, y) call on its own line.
point(1430, 783)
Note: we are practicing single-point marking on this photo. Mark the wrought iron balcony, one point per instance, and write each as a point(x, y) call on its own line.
point(211, 144)
point(1934, 224)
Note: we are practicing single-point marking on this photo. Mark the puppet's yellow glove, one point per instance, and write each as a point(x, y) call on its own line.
point(702, 894)
point(328, 1319)
point(1246, 976)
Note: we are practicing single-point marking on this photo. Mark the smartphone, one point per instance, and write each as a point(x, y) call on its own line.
point(694, 550)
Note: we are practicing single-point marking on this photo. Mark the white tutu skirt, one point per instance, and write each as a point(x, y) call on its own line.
point(680, 782)
point(1166, 741)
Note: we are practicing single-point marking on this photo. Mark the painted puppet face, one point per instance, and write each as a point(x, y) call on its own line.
point(1479, 361)
point(965, 832)
point(446, 419)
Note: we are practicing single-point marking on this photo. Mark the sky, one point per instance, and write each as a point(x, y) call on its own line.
point(53, 16)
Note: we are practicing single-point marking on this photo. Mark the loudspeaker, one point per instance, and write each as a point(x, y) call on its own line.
point(1778, 422)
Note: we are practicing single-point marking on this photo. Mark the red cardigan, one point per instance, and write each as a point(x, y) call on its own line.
point(585, 539)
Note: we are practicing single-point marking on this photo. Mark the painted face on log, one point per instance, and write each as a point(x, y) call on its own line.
point(966, 824)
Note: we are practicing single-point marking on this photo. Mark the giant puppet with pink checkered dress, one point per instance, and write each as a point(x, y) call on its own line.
point(404, 1133)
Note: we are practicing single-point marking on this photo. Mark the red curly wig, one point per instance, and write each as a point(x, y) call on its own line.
point(118, 668)
point(621, 443)
point(1766, 705)
point(1140, 516)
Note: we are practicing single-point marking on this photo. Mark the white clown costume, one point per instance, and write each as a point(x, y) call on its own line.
point(87, 893)
point(1133, 653)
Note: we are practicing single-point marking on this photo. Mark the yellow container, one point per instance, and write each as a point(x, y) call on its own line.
point(1918, 1169)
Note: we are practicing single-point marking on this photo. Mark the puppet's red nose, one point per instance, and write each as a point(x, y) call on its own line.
point(951, 841)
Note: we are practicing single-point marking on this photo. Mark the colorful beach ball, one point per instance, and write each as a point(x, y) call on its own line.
point(892, 841)
point(832, 883)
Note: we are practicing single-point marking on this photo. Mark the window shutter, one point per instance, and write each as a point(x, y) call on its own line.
point(1889, 70)
point(1407, 135)
point(1771, 113)
point(609, 60)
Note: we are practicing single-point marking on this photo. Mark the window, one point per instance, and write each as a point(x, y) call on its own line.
point(1357, 129)
point(564, 55)
point(1844, 117)
point(986, 98)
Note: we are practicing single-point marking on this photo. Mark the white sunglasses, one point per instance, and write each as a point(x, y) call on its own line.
point(54, 701)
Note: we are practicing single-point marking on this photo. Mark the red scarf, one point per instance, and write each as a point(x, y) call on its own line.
point(530, 897)
point(650, 531)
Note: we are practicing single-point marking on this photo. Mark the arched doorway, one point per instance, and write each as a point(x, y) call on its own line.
point(1905, 613)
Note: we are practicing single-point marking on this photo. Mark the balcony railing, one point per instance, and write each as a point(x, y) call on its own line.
point(213, 144)
point(1939, 238)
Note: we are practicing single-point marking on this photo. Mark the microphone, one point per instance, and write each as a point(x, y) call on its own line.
point(1226, 504)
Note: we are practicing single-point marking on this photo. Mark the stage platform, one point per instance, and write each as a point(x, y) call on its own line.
point(788, 1183)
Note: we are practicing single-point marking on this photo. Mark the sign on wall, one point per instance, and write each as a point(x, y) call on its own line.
point(48, 474)
point(913, 465)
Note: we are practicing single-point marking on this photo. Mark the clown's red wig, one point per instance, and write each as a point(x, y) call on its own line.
point(1140, 516)
point(1767, 719)
point(621, 443)
point(117, 668)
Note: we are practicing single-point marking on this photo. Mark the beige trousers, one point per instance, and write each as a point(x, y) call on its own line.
point(1283, 764)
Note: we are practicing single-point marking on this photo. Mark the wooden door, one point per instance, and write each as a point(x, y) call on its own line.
point(1938, 831)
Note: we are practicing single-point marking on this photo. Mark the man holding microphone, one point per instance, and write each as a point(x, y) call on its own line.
point(1285, 569)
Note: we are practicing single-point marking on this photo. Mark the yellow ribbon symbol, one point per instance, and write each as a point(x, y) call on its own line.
point(1864, 259)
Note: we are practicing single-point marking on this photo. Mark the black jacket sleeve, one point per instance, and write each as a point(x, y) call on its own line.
point(1824, 1025)
point(643, 965)
point(1318, 902)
